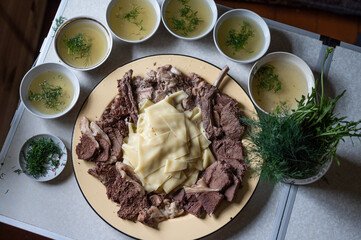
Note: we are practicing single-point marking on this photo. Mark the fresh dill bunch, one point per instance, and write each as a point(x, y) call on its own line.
point(42, 153)
point(238, 40)
point(79, 46)
point(132, 17)
point(187, 21)
point(267, 79)
point(50, 95)
point(297, 144)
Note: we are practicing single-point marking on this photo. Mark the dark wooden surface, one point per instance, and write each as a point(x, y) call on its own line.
point(25, 23)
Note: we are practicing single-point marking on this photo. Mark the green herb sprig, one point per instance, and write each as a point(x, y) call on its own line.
point(79, 46)
point(132, 17)
point(50, 95)
point(187, 21)
point(41, 155)
point(238, 40)
point(267, 79)
point(296, 144)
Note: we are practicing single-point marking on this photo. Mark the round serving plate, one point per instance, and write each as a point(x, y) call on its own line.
point(185, 227)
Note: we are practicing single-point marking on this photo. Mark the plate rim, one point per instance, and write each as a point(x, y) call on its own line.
point(85, 101)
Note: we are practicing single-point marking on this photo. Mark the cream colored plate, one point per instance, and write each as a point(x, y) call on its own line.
point(188, 226)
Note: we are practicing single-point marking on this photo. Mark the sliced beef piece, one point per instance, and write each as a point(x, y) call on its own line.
point(230, 122)
point(128, 192)
point(218, 176)
point(156, 199)
point(210, 201)
point(227, 148)
point(122, 127)
point(200, 87)
point(87, 148)
point(126, 95)
point(150, 217)
point(131, 203)
point(194, 206)
point(238, 167)
point(142, 88)
point(106, 173)
point(212, 131)
point(179, 196)
point(103, 154)
point(116, 139)
point(98, 133)
point(155, 215)
point(231, 191)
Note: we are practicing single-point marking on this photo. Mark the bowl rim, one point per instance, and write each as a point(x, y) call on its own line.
point(305, 69)
point(60, 143)
point(41, 68)
point(214, 11)
point(322, 172)
point(157, 13)
point(260, 22)
point(82, 18)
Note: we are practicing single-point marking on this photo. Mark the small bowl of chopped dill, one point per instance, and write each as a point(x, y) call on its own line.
point(189, 19)
point(49, 90)
point(83, 43)
point(241, 36)
point(133, 21)
point(43, 157)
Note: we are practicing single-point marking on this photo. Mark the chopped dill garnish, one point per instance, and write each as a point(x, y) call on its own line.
point(238, 40)
point(41, 155)
point(132, 17)
point(50, 95)
point(267, 79)
point(296, 144)
point(187, 21)
point(79, 46)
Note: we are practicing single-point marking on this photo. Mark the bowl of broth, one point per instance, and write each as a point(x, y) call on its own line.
point(189, 19)
point(241, 35)
point(278, 80)
point(83, 43)
point(133, 21)
point(49, 90)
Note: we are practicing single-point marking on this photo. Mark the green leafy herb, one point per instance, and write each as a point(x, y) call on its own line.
point(296, 144)
point(58, 21)
point(238, 40)
point(79, 46)
point(187, 21)
point(41, 155)
point(50, 95)
point(132, 17)
point(267, 79)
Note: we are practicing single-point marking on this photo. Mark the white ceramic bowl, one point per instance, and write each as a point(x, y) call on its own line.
point(211, 4)
point(36, 71)
point(156, 8)
point(245, 14)
point(286, 57)
point(52, 171)
point(96, 24)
